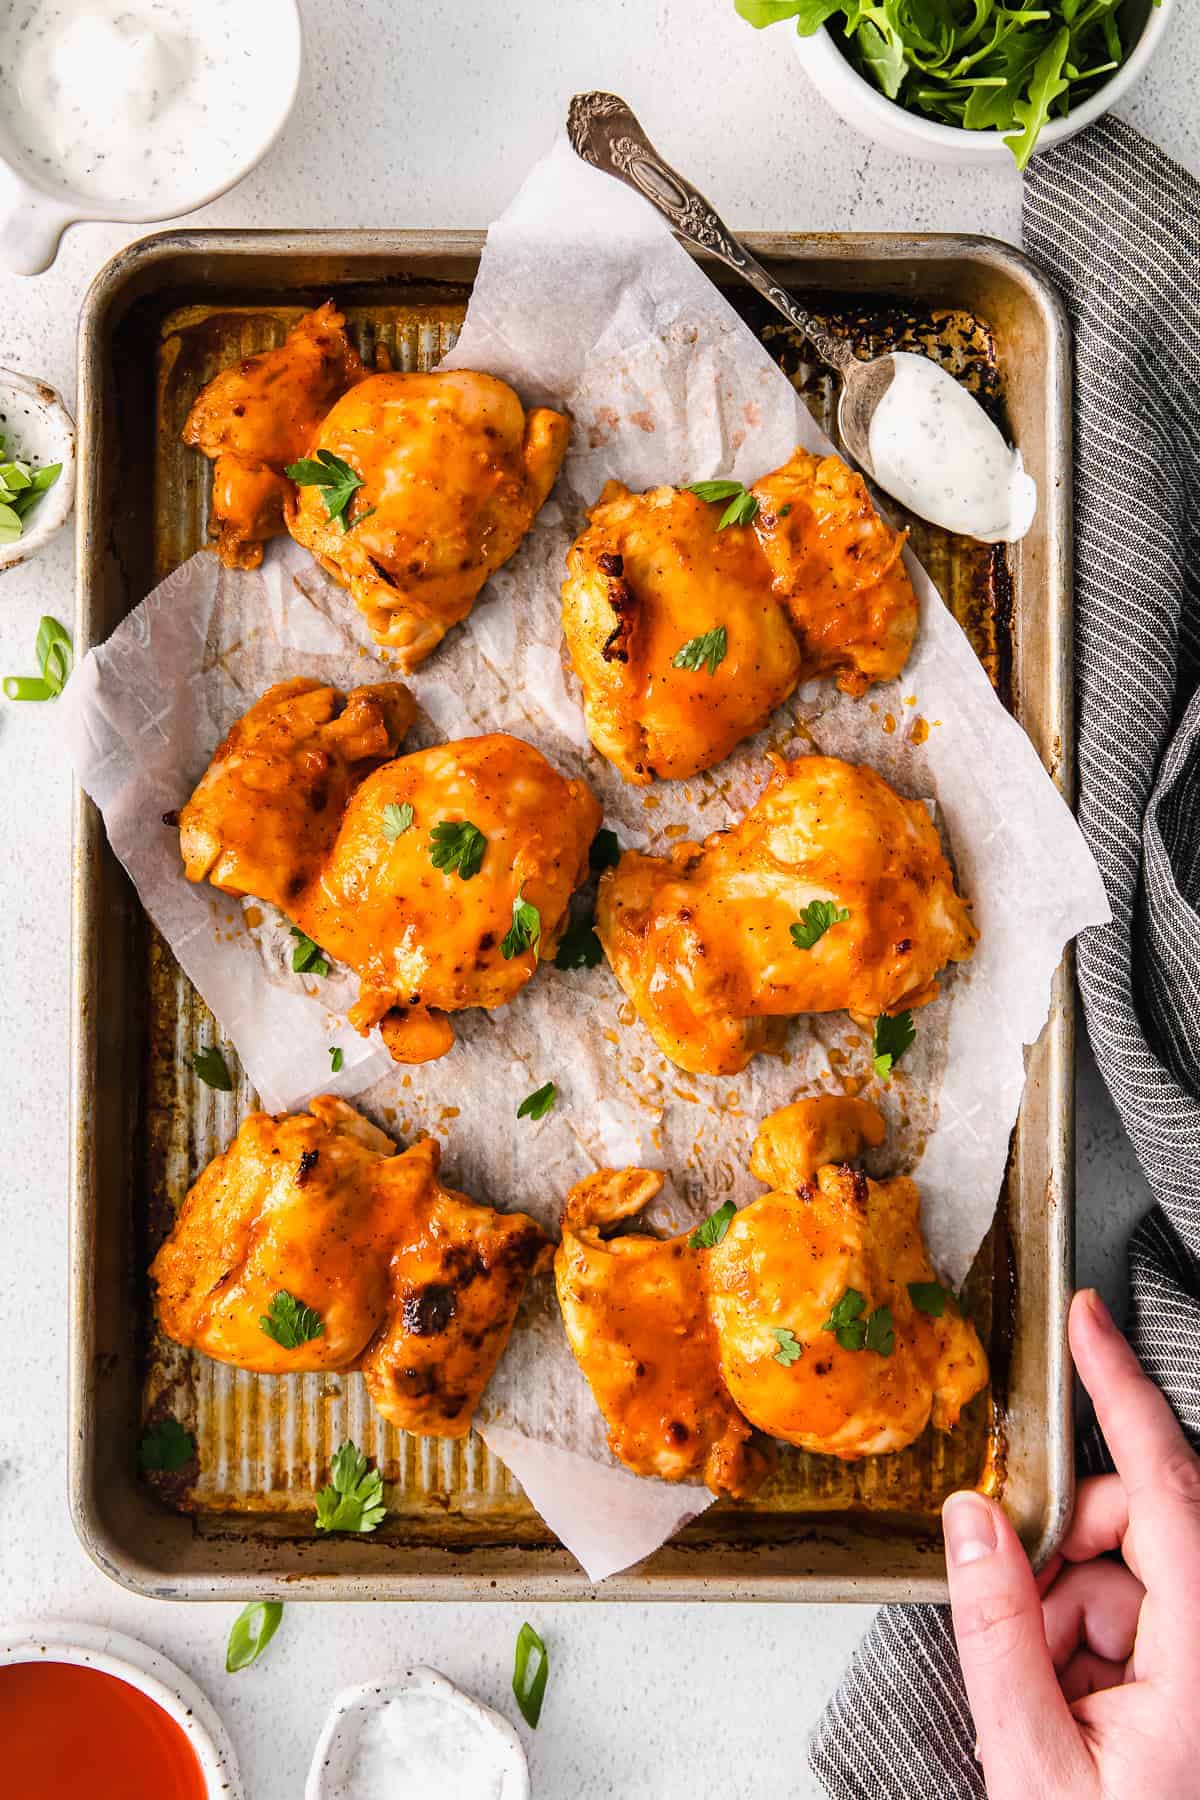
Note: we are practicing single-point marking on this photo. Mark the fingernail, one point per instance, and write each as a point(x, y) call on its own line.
point(969, 1528)
point(1101, 1316)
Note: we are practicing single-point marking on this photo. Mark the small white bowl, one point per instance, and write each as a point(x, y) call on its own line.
point(36, 206)
point(112, 1653)
point(337, 1747)
point(861, 104)
point(38, 428)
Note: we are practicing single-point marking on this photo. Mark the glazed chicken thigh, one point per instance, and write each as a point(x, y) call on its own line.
point(635, 1316)
point(410, 1282)
point(686, 633)
point(257, 417)
point(452, 472)
point(701, 939)
point(813, 1314)
point(825, 1247)
point(441, 878)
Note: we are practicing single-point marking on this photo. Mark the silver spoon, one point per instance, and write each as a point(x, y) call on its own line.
point(604, 132)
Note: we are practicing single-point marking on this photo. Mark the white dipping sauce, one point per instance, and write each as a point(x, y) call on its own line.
point(935, 449)
point(137, 101)
point(427, 1746)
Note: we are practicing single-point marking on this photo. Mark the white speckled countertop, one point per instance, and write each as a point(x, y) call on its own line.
point(429, 115)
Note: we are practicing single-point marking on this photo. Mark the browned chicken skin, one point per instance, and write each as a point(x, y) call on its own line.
point(686, 1347)
point(303, 805)
point(453, 471)
point(635, 1315)
point(787, 1261)
point(257, 417)
point(814, 586)
point(414, 1284)
point(701, 942)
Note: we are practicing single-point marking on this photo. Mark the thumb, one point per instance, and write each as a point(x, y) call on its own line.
point(1028, 1741)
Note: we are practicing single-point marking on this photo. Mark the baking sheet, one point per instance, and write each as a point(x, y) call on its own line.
point(547, 1167)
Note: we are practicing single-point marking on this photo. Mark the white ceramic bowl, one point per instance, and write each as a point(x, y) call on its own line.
point(36, 207)
point(112, 1653)
point(37, 426)
point(862, 105)
point(333, 1760)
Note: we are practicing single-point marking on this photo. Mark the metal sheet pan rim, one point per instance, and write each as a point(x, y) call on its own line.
point(537, 1580)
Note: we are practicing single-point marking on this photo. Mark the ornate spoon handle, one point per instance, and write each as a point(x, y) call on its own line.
point(605, 133)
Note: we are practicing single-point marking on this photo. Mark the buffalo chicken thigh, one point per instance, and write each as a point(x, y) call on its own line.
point(441, 878)
point(687, 631)
point(702, 939)
point(813, 1314)
point(400, 1276)
point(451, 472)
point(257, 417)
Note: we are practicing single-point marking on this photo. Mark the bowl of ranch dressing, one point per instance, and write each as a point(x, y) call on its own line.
point(416, 1738)
point(133, 110)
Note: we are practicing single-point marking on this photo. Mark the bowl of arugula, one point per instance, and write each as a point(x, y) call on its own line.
point(970, 81)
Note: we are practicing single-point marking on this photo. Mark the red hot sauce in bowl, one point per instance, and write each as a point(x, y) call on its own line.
point(68, 1730)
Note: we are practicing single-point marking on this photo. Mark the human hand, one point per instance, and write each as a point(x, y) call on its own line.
point(1083, 1682)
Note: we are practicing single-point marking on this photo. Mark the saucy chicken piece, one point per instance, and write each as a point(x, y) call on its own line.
point(701, 942)
point(651, 573)
point(306, 805)
point(256, 417)
point(686, 636)
point(453, 471)
point(634, 1311)
point(820, 1340)
point(266, 812)
point(412, 1283)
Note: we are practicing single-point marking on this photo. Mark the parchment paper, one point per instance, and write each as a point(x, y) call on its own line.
point(585, 301)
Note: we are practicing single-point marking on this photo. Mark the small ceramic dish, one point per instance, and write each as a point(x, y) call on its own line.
point(356, 1711)
point(38, 429)
point(861, 104)
point(37, 202)
point(112, 1653)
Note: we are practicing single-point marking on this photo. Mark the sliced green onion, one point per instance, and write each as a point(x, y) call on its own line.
point(529, 1685)
point(28, 687)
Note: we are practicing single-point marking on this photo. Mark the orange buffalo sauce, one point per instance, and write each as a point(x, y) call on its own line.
point(67, 1731)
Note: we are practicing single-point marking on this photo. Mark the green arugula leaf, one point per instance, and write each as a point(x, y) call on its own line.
point(538, 1104)
point(457, 844)
point(336, 1059)
point(337, 481)
point(166, 1446)
point(1045, 85)
point(525, 932)
point(894, 1033)
point(529, 1682)
point(397, 820)
point(353, 1501)
point(605, 851)
point(212, 1068)
point(883, 55)
point(815, 920)
point(706, 651)
point(290, 1322)
point(714, 1227)
point(308, 958)
point(929, 1297)
point(790, 1349)
point(252, 1631)
point(53, 651)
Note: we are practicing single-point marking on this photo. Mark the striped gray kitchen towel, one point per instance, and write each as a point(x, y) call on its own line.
point(1116, 226)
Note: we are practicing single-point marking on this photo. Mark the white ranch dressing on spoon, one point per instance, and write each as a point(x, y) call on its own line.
point(130, 102)
point(933, 446)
